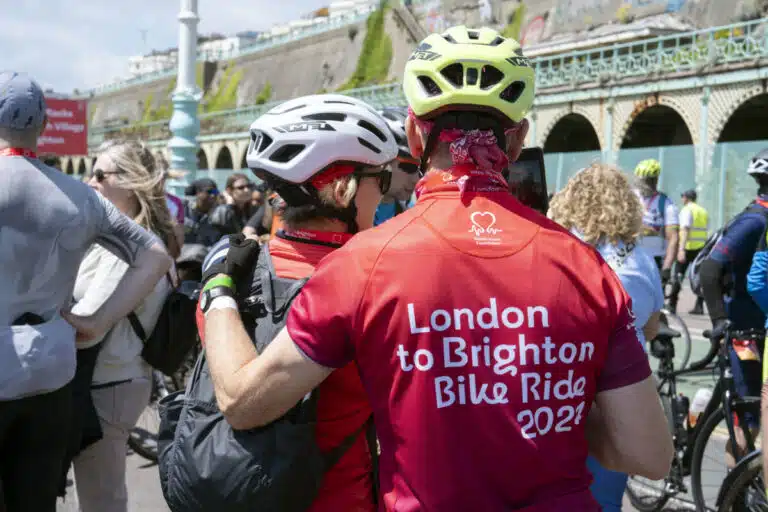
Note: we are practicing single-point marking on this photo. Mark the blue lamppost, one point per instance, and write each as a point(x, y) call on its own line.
point(184, 125)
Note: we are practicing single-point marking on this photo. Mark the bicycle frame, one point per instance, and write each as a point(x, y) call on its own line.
point(724, 395)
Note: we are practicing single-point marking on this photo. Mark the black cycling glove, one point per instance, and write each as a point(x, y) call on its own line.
point(241, 257)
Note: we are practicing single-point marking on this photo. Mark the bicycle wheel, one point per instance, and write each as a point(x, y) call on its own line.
point(143, 437)
point(683, 343)
point(746, 488)
point(649, 495)
point(708, 472)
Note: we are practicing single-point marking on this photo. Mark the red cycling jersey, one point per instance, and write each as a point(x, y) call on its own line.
point(482, 331)
point(343, 407)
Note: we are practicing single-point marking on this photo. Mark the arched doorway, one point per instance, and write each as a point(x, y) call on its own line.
point(571, 145)
point(202, 160)
point(224, 159)
point(744, 135)
point(69, 169)
point(660, 132)
point(572, 133)
point(747, 123)
point(244, 161)
point(656, 126)
point(81, 167)
point(52, 161)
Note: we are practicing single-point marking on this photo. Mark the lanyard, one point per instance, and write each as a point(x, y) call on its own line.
point(464, 178)
point(327, 238)
point(18, 152)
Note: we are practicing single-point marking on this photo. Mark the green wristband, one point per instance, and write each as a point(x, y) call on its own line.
point(220, 280)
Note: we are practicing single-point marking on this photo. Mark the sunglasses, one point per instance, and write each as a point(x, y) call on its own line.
point(101, 175)
point(407, 165)
point(383, 176)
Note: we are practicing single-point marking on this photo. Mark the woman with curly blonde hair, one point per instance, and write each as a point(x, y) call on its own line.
point(599, 206)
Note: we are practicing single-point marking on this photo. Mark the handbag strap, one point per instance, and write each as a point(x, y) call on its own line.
point(134, 319)
point(335, 455)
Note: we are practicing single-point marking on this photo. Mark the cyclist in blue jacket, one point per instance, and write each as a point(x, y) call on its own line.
point(730, 285)
point(757, 286)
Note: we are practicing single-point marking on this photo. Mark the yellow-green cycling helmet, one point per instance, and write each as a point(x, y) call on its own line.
point(648, 169)
point(467, 69)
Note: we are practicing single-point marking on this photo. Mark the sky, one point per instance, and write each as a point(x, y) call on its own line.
point(77, 44)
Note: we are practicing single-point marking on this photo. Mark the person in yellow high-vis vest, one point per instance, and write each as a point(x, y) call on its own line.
point(694, 225)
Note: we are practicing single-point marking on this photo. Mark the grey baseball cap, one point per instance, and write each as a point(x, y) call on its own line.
point(22, 102)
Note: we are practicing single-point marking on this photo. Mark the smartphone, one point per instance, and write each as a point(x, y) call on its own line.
point(527, 179)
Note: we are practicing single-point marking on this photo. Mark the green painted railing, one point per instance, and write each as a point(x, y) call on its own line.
point(698, 51)
point(741, 44)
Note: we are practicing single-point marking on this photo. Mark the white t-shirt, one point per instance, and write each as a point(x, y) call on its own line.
point(655, 221)
point(686, 217)
point(640, 276)
point(120, 356)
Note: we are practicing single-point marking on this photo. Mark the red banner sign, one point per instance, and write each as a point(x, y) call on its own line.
point(67, 130)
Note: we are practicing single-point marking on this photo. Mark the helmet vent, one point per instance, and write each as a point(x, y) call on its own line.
point(449, 38)
point(287, 153)
point(325, 116)
point(339, 102)
point(513, 92)
point(454, 74)
point(497, 41)
point(266, 140)
point(279, 113)
point(473, 34)
point(371, 128)
point(368, 145)
point(430, 86)
point(490, 76)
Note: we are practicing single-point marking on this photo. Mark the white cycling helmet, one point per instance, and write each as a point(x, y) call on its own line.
point(759, 164)
point(300, 138)
point(395, 118)
point(301, 144)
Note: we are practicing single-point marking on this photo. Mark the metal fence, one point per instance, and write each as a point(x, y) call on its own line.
point(701, 51)
point(724, 188)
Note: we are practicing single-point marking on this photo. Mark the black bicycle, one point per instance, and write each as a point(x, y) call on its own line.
point(689, 466)
point(143, 438)
point(743, 490)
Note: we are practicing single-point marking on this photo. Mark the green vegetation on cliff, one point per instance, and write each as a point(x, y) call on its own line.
point(376, 54)
point(265, 95)
point(225, 95)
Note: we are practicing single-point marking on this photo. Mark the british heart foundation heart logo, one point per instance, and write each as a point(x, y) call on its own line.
point(483, 223)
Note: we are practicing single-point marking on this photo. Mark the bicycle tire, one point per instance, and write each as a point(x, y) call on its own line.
point(740, 479)
point(685, 339)
point(159, 390)
point(697, 455)
point(656, 503)
point(141, 449)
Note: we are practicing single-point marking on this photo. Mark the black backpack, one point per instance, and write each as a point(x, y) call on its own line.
point(694, 270)
point(205, 465)
point(175, 333)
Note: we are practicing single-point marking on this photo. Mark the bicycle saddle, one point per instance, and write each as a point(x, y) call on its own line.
point(666, 332)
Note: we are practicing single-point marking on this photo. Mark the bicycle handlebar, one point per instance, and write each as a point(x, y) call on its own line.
point(718, 333)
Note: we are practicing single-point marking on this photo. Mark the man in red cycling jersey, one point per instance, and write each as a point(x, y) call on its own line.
point(496, 349)
point(331, 190)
